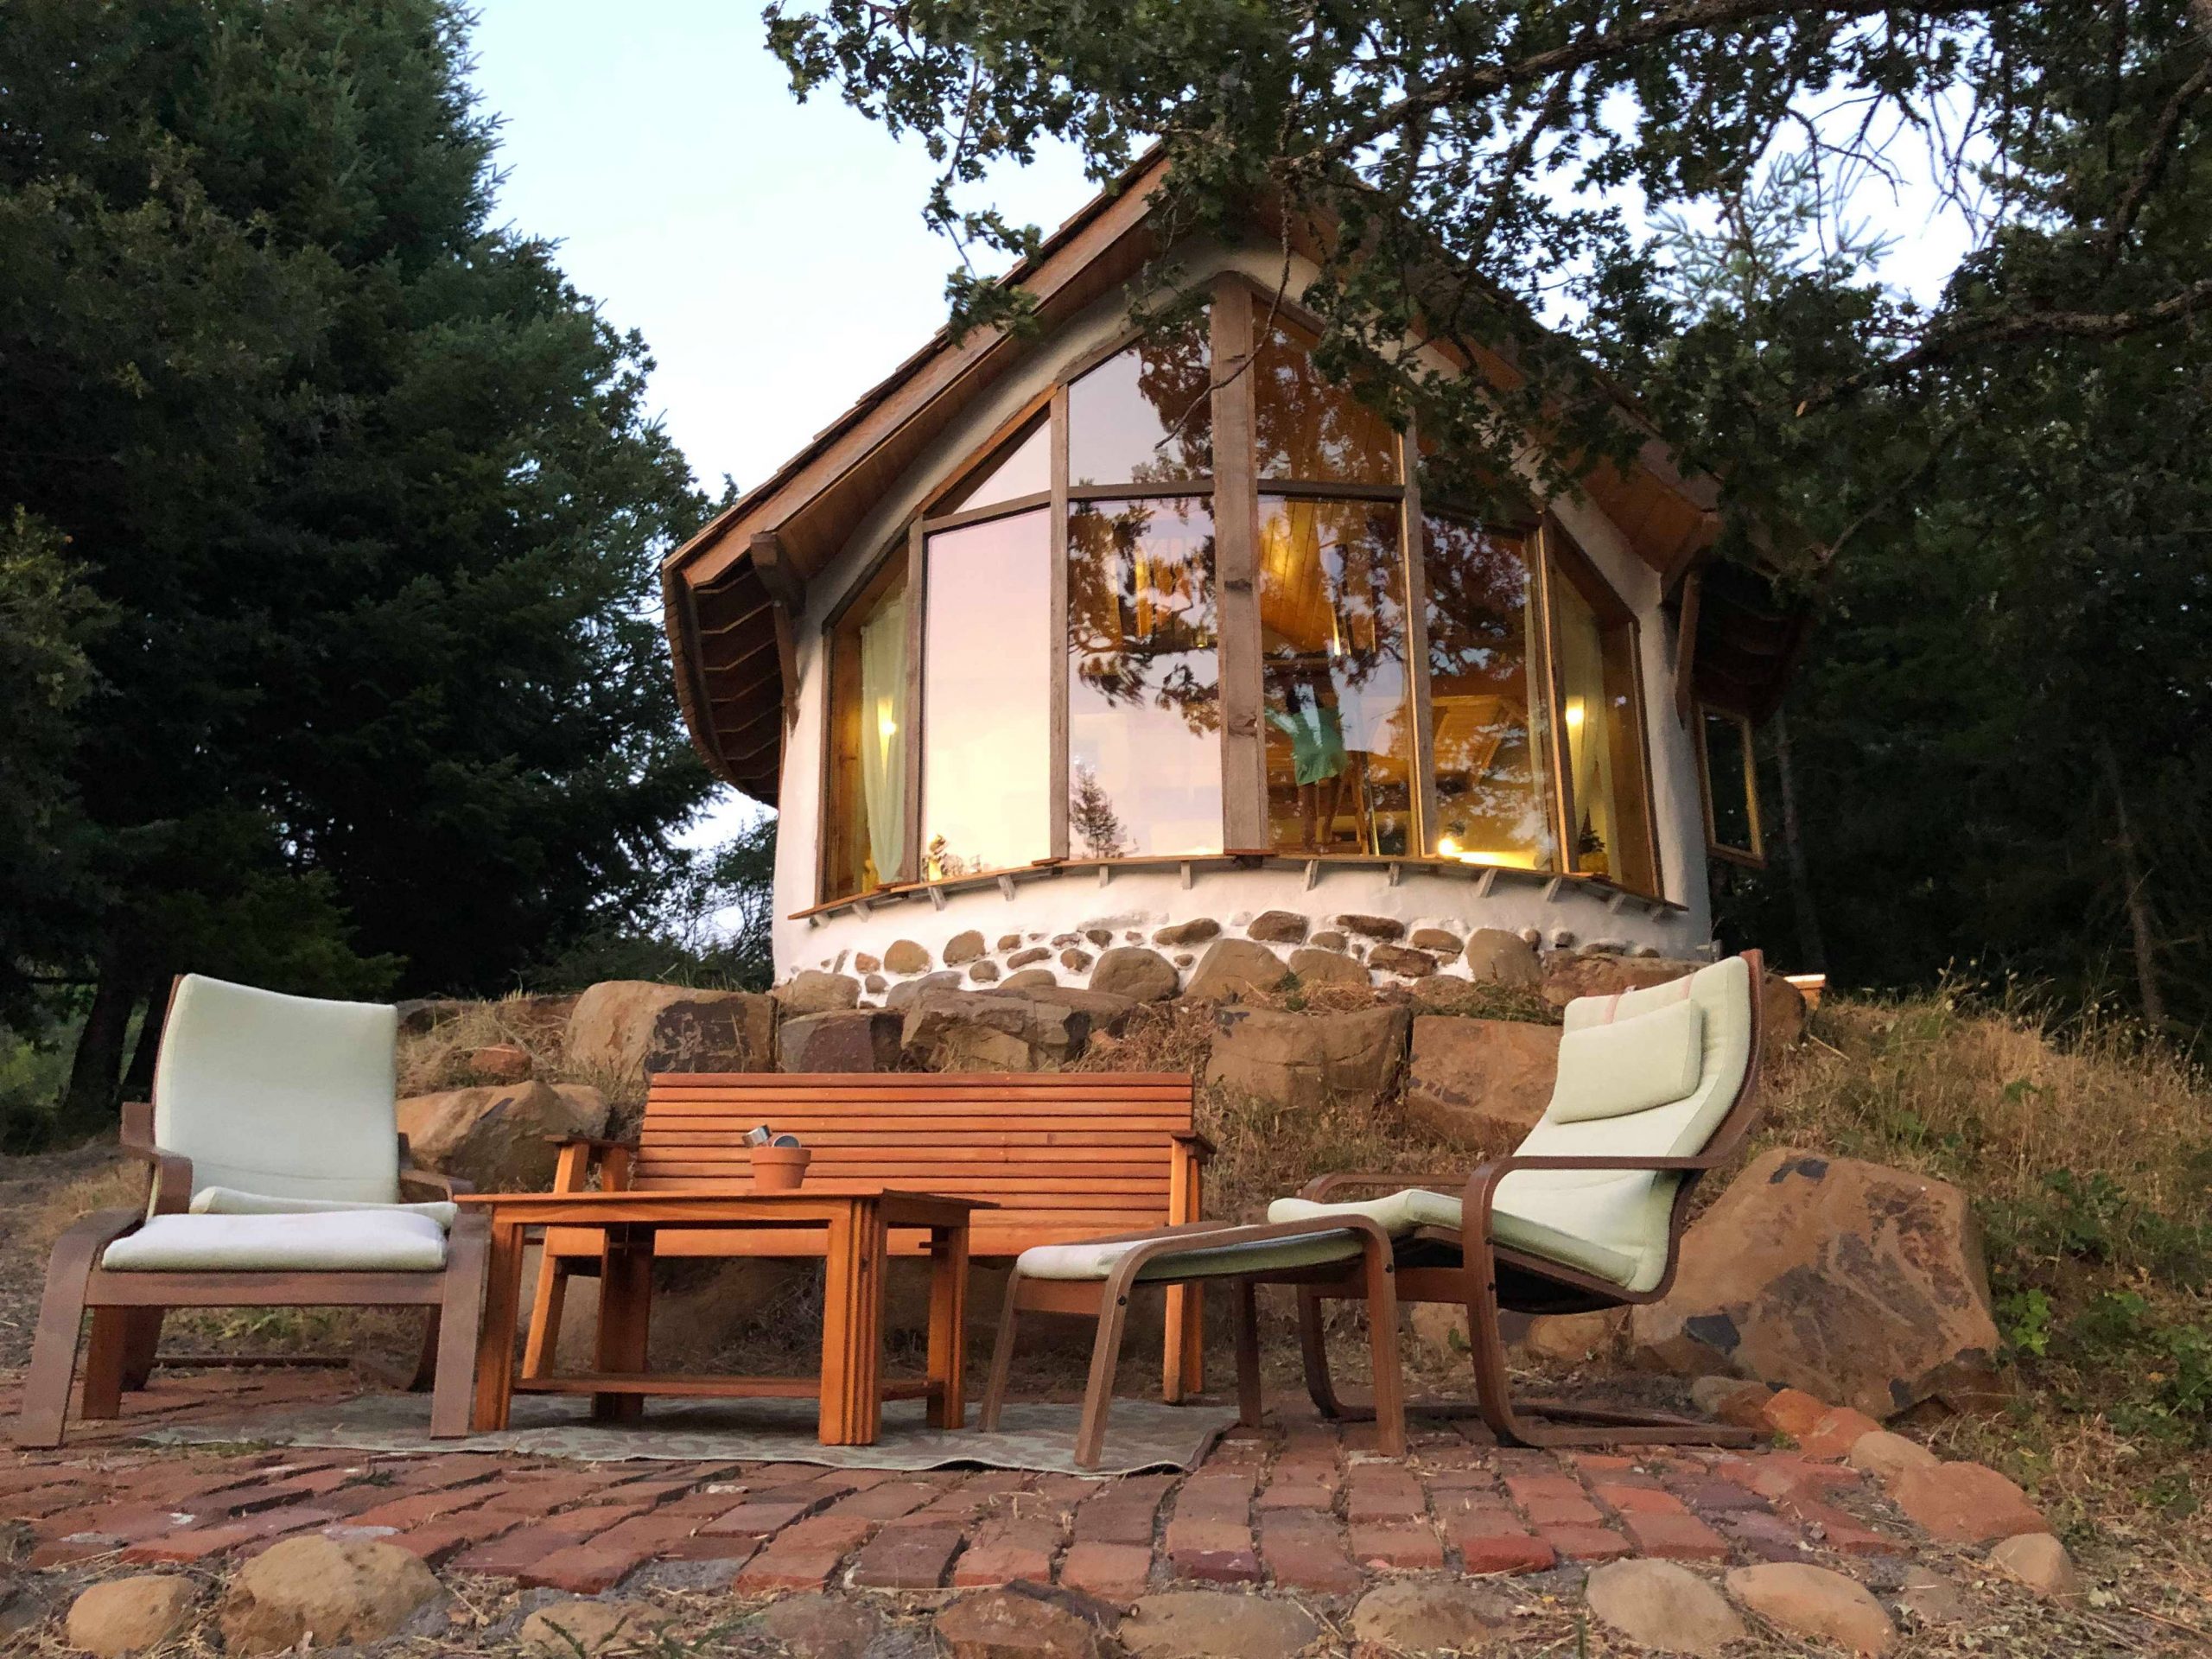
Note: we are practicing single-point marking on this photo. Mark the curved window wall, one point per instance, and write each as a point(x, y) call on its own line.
point(1172, 611)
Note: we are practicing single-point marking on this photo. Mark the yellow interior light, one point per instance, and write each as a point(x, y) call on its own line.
point(1575, 713)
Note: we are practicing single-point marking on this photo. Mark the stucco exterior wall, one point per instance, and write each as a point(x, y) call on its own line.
point(1140, 899)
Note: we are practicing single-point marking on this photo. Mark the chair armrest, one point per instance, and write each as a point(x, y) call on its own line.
point(596, 1142)
point(171, 1172)
point(429, 1180)
point(1321, 1186)
point(1480, 1193)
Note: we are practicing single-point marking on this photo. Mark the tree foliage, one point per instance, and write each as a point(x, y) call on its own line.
point(365, 491)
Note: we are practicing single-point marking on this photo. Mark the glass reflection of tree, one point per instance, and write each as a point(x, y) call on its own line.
point(1309, 428)
point(1140, 611)
point(1478, 655)
point(1175, 376)
point(1092, 817)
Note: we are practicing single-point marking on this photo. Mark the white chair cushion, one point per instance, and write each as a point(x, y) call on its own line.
point(1263, 1256)
point(288, 1096)
point(1397, 1214)
point(1401, 1212)
point(340, 1241)
point(229, 1201)
point(1648, 1059)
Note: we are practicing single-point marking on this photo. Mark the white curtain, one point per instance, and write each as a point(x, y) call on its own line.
point(883, 734)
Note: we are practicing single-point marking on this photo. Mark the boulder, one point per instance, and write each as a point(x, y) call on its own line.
point(1307, 1059)
point(1075, 961)
point(497, 1063)
point(992, 1031)
point(623, 1026)
point(1372, 927)
point(356, 1591)
point(904, 957)
point(1131, 970)
point(567, 1630)
point(2040, 1561)
point(1438, 943)
point(1815, 1602)
point(1329, 939)
point(1965, 1504)
point(1106, 1011)
point(1278, 927)
point(810, 991)
point(1505, 958)
point(907, 992)
point(1216, 1624)
point(818, 1627)
point(1429, 1615)
point(1479, 1084)
point(1030, 979)
point(1023, 959)
point(1886, 1456)
point(1327, 967)
point(1661, 1606)
point(129, 1615)
point(1397, 959)
point(962, 948)
point(1862, 1285)
point(851, 1039)
point(1006, 1623)
point(984, 971)
point(1234, 968)
point(495, 1137)
point(865, 963)
point(1932, 1600)
point(1009, 941)
point(1575, 1338)
point(1196, 930)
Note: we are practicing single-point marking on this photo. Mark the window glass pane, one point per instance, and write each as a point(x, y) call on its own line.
point(1145, 417)
point(986, 668)
point(1728, 782)
point(1306, 428)
point(1026, 469)
point(1144, 683)
point(1605, 746)
point(1332, 651)
point(1485, 725)
point(865, 836)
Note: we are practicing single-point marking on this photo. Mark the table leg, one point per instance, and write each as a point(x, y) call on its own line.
point(948, 1325)
point(626, 1300)
point(852, 1326)
point(495, 1340)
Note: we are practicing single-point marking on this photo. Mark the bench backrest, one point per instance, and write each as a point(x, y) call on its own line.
point(1063, 1156)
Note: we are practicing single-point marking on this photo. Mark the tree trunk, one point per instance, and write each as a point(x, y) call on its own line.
point(139, 1081)
point(2137, 881)
point(1812, 949)
point(89, 1106)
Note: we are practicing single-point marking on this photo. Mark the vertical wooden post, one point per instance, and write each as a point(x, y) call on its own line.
point(626, 1300)
point(1056, 722)
point(947, 1405)
point(1235, 532)
point(495, 1343)
point(1413, 540)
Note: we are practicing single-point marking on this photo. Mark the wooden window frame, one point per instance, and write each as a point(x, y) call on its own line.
point(1754, 857)
point(854, 594)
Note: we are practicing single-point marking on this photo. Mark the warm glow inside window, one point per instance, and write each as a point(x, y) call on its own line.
point(865, 833)
point(986, 644)
point(1486, 732)
point(1144, 415)
point(1144, 679)
point(1336, 696)
point(1727, 766)
point(1612, 832)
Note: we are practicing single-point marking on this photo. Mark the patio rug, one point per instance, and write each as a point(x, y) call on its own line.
point(1142, 1434)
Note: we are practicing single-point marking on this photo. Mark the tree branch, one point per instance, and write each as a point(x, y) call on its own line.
point(2153, 161)
point(2013, 329)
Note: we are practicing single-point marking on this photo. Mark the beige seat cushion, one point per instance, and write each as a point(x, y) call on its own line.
point(347, 1240)
point(1401, 1212)
point(1264, 1255)
point(229, 1201)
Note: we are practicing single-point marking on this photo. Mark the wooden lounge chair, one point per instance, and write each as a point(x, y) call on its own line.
point(1656, 1087)
point(278, 1179)
point(1095, 1279)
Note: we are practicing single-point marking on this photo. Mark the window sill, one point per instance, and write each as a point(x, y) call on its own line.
point(1485, 877)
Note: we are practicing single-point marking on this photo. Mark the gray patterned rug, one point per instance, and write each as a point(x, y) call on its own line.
point(1142, 1434)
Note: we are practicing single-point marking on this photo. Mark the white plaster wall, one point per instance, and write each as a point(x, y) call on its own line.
point(1142, 900)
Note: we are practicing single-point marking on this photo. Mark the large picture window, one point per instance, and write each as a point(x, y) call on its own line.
point(1111, 638)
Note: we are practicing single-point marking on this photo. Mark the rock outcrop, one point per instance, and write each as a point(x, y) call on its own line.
point(498, 1138)
point(1861, 1284)
point(850, 1039)
point(1480, 1084)
point(1308, 1060)
point(625, 1025)
point(1234, 968)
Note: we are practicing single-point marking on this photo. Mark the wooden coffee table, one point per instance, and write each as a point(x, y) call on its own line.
point(854, 1217)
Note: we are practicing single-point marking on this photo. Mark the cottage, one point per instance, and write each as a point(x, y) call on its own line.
point(1082, 639)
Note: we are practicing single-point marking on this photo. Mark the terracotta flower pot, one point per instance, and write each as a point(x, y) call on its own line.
point(780, 1169)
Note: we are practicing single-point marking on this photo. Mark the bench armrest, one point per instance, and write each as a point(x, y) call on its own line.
point(1197, 1145)
point(170, 1172)
point(429, 1181)
point(596, 1142)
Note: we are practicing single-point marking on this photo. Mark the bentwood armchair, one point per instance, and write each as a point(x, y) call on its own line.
point(276, 1178)
point(1656, 1087)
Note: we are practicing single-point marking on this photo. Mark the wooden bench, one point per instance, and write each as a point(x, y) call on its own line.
point(1061, 1156)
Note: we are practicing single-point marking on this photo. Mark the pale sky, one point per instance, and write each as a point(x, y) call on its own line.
point(772, 253)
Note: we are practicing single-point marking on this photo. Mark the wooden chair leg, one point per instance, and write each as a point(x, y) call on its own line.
point(455, 1324)
point(141, 1345)
point(1384, 1366)
point(551, 1295)
point(1105, 1360)
point(1248, 1404)
point(61, 1316)
point(1183, 1370)
point(107, 1354)
point(426, 1354)
point(1002, 1356)
point(1313, 1354)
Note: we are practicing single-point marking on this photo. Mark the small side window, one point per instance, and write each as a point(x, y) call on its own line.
point(1728, 772)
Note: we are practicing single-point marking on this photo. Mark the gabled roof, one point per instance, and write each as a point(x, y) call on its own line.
point(731, 593)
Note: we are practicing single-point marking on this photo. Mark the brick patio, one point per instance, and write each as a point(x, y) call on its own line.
point(1306, 1508)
